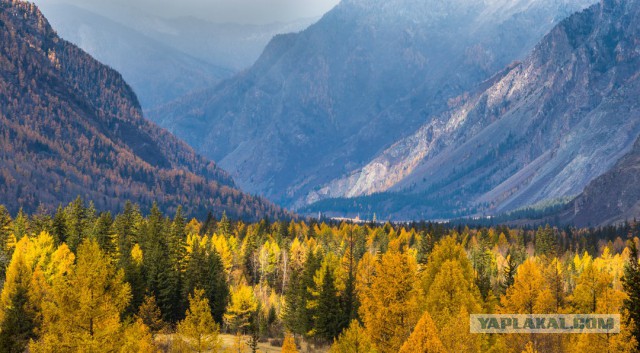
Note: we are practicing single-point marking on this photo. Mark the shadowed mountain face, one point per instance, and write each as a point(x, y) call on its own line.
point(321, 104)
point(71, 126)
point(161, 58)
point(540, 130)
point(157, 72)
point(613, 197)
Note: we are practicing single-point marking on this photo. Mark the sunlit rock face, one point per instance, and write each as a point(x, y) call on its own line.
point(322, 104)
point(540, 130)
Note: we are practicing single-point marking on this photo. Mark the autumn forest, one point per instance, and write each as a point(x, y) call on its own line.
point(80, 280)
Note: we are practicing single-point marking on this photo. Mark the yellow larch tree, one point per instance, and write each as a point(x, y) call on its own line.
point(424, 338)
point(289, 345)
point(354, 339)
point(390, 308)
point(83, 310)
point(243, 303)
point(198, 332)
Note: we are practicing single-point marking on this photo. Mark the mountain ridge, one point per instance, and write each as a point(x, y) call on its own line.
point(71, 126)
point(543, 130)
point(323, 102)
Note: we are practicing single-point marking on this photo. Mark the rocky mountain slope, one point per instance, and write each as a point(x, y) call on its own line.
point(157, 72)
point(71, 126)
point(322, 103)
point(611, 198)
point(540, 130)
point(163, 59)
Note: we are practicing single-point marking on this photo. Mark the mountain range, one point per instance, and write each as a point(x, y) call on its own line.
point(163, 59)
point(321, 105)
point(71, 126)
point(406, 109)
point(540, 131)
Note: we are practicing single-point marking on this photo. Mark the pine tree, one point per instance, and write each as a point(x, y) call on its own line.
point(294, 313)
point(546, 242)
point(425, 248)
point(198, 332)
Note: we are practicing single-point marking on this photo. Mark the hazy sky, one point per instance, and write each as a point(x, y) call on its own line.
point(244, 11)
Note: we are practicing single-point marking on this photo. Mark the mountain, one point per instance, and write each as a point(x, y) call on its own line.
point(537, 133)
point(320, 104)
point(157, 72)
point(71, 126)
point(613, 197)
point(231, 45)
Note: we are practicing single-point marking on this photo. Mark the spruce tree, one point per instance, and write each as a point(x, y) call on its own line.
point(76, 214)
point(328, 314)
point(103, 235)
point(631, 285)
point(59, 227)
point(217, 287)
point(20, 225)
point(5, 234)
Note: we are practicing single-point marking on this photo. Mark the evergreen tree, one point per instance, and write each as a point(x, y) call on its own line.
point(76, 223)
point(508, 273)
point(295, 311)
point(631, 285)
point(160, 273)
point(103, 235)
point(216, 287)
point(425, 248)
point(209, 225)
point(328, 316)
point(224, 226)
point(41, 221)
point(59, 226)
point(20, 225)
point(546, 243)
point(150, 315)
point(5, 240)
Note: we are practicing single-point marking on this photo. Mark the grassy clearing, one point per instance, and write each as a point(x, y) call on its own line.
point(228, 342)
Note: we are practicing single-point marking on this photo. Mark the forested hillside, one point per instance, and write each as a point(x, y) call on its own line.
point(142, 283)
point(71, 126)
